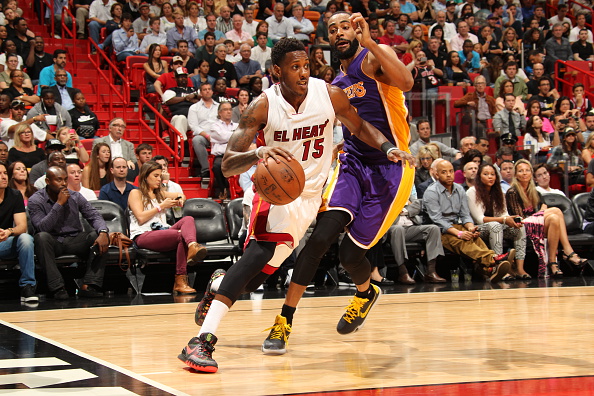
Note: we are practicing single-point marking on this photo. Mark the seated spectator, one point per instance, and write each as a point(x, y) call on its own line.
point(211, 23)
point(558, 47)
point(49, 107)
point(202, 77)
point(568, 157)
point(22, 37)
point(509, 120)
point(11, 66)
point(74, 152)
point(39, 170)
point(472, 155)
point(224, 23)
point(479, 105)
point(466, 143)
point(246, 68)
point(84, 121)
point(574, 33)
point(424, 131)
point(3, 152)
point(511, 70)
point(220, 92)
point(63, 95)
point(507, 88)
point(482, 145)
point(421, 188)
point(167, 18)
point(24, 148)
point(426, 76)
point(112, 24)
point(15, 242)
point(490, 45)
point(75, 182)
point(19, 91)
point(154, 67)
point(455, 73)
point(579, 100)
point(201, 116)
point(144, 153)
point(588, 150)
point(55, 213)
point(425, 157)
point(536, 140)
point(96, 173)
point(179, 99)
point(470, 59)
point(220, 132)
point(18, 179)
point(327, 74)
point(221, 68)
point(237, 34)
point(173, 214)
point(148, 225)
point(538, 71)
point(206, 51)
point(589, 215)
point(249, 23)
point(582, 49)
point(125, 40)
point(565, 108)
point(469, 171)
point(302, 27)
point(533, 109)
point(119, 189)
point(243, 100)
point(181, 32)
point(255, 87)
point(541, 222)
point(38, 61)
point(8, 47)
point(99, 14)
point(441, 45)
point(115, 141)
point(506, 170)
point(142, 22)
point(414, 47)
point(488, 209)
point(194, 19)
point(154, 36)
point(390, 38)
point(54, 159)
point(545, 97)
point(316, 59)
point(322, 30)
point(447, 207)
point(279, 26)
point(189, 62)
point(17, 112)
point(542, 178)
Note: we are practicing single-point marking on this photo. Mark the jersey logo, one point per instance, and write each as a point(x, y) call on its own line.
point(355, 90)
point(300, 133)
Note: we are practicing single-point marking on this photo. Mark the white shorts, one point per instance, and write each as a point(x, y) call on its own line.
point(284, 224)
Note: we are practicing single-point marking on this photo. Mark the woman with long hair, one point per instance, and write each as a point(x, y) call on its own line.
point(438, 33)
point(565, 107)
point(568, 152)
point(18, 178)
point(472, 155)
point(533, 108)
point(74, 152)
point(488, 209)
point(418, 34)
point(202, 77)
point(24, 148)
point(492, 71)
point(588, 151)
point(96, 174)
point(193, 18)
point(537, 140)
point(243, 97)
point(507, 87)
point(208, 7)
point(113, 24)
point(84, 121)
point(410, 55)
point(540, 221)
point(510, 43)
point(533, 41)
point(149, 229)
point(425, 157)
point(316, 59)
point(154, 67)
point(182, 6)
point(455, 73)
point(262, 27)
point(167, 20)
point(327, 74)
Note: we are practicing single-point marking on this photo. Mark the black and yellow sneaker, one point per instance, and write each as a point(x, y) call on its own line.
point(357, 311)
point(198, 353)
point(277, 340)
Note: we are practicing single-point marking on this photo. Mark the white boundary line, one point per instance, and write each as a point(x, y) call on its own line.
point(97, 360)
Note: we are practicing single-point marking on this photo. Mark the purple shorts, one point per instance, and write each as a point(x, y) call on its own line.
point(374, 195)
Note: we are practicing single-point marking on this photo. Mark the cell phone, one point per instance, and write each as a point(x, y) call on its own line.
point(423, 59)
point(95, 250)
point(178, 198)
point(518, 219)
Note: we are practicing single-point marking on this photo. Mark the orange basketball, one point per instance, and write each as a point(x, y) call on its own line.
point(279, 184)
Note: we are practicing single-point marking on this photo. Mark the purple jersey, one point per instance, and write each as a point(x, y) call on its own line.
point(381, 105)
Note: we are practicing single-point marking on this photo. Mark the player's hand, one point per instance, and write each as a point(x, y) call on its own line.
point(63, 196)
point(275, 153)
point(103, 242)
point(399, 155)
point(361, 28)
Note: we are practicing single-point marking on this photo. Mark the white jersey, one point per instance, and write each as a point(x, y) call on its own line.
point(306, 133)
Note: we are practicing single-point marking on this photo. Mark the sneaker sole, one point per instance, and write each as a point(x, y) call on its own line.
point(273, 351)
point(30, 299)
point(192, 365)
point(377, 297)
point(502, 270)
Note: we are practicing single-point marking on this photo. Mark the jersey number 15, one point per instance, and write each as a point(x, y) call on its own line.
point(316, 148)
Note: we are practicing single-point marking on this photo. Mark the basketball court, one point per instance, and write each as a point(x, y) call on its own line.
point(531, 338)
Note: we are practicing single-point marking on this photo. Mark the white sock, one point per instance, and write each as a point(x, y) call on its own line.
point(215, 314)
point(214, 286)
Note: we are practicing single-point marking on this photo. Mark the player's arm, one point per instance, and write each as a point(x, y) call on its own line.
point(362, 129)
point(238, 157)
point(382, 62)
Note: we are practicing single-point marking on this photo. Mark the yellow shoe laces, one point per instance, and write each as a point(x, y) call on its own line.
point(354, 308)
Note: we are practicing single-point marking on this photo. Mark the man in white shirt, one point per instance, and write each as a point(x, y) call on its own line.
point(449, 29)
point(99, 14)
point(201, 115)
point(142, 23)
point(237, 34)
point(278, 25)
point(561, 16)
point(119, 147)
point(302, 27)
point(261, 53)
point(580, 24)
point(457, 42)
point(17, 114)
point(249, 25)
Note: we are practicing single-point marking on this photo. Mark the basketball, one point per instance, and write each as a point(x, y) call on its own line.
point(279, 184)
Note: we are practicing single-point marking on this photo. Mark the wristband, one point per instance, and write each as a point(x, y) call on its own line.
point(504, 218)
point(158, 207)
point(257, 152)
point(386, 147)
point(460, 234)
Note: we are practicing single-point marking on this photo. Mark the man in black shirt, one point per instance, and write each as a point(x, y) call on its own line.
point(582, 50)
point(219, 67)
point(20, 37)
point(14, 239)
point(545, 97)
point(179, 99)
point(37, 59)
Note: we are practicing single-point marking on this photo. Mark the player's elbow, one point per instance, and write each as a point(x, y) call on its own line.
point(408, 82)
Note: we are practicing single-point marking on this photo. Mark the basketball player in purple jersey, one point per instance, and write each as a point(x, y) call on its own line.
point(367, 191)
point(284, 111)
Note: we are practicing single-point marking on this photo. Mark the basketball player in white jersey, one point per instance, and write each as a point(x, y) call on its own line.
point(297, 117)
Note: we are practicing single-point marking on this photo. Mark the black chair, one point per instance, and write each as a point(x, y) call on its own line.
point(573, 220)
point(581, 202)
point(234, 214)
point(211, 228)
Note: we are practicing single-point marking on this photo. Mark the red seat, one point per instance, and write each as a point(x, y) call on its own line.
point(232, 92)
point(235, 189)
point(456, 93)
point(136, 75)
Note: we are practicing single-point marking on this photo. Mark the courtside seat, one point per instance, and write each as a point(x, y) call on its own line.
point(116, 221)
point(234, 215)
point(573, 220)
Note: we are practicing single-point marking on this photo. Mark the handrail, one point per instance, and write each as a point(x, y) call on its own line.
point(124, 96)
point(569, 67)
point(72, 34)
point(174, 135)
point(50, 5)
point(573, 18)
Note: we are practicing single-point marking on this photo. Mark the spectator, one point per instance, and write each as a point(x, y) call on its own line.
point(545, 97)
point(533, 41)
point(47, 74)
point(167, 18)
point(302, 27)
point(448, 29)
point(211, 22)
point(481, 106)
point(589, 121)
point(455, 73)
point(48, 107)
point(63, 95)
point(533, 109)
point(568, 156)
point(179, 99)
point(148, 225)
point(437, 52)
point(84, 121)
point(488, 209)
point(194, 20)
point(37, 59)
point(154, 67)
point(580, 25)
point(221, 68)
point(74, 182)
point(507, 88)
point(261, 52)
point(249, 23)
point(588, 151)
point(58, 5)
point(206, 51)
point(422, 187)
point(39, 169)
point(538, 72)
point(113, 24)
point(561, 16)
point(316, 59)
point(24, 148)
point(322, 30)
point(166, 182)
point(582, 49)
point(237, 34)
point(424, 131)
point(541, 222)
point(558, 47)
point(167, 80)
point(469, 171)
point(220, 92)
point(510, 43)
point(55, 213)
point(144, 153)
point(564, 107)
point(470, 59)
point(327, 74)
point(154, 36)
point(181, 32)
point(99, 14)
point(580, 101)
point(18, 179)
point(125, 40)
point(3, 152)
point(482, 145)
point(506, 169)
point(14, 239)
point(119, 189)
point(536, 139)
point(189, 62)
point(243, 99)
point(209, 8)
point(220, 132)
point(511, 71)
point(279, 26)
point(472, 155)
point(224, 23)
point(457, 42)
point(95, 175)
point(246, 68)
point(409, 56)
point(21, 37)
point(74, 151)
point(118, 146)
point(201, 116)
point(447, 207)
point(54, 159)
point(390, 38)
point(509, 120)
point(142, 23)
point(542, 178)
point(425, 157)
point(18, 91)
point(490, 45)
point(255, 87)
point(11, 65)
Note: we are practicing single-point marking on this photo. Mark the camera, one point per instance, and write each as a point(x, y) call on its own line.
point(424, 59)
point(564, 121)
